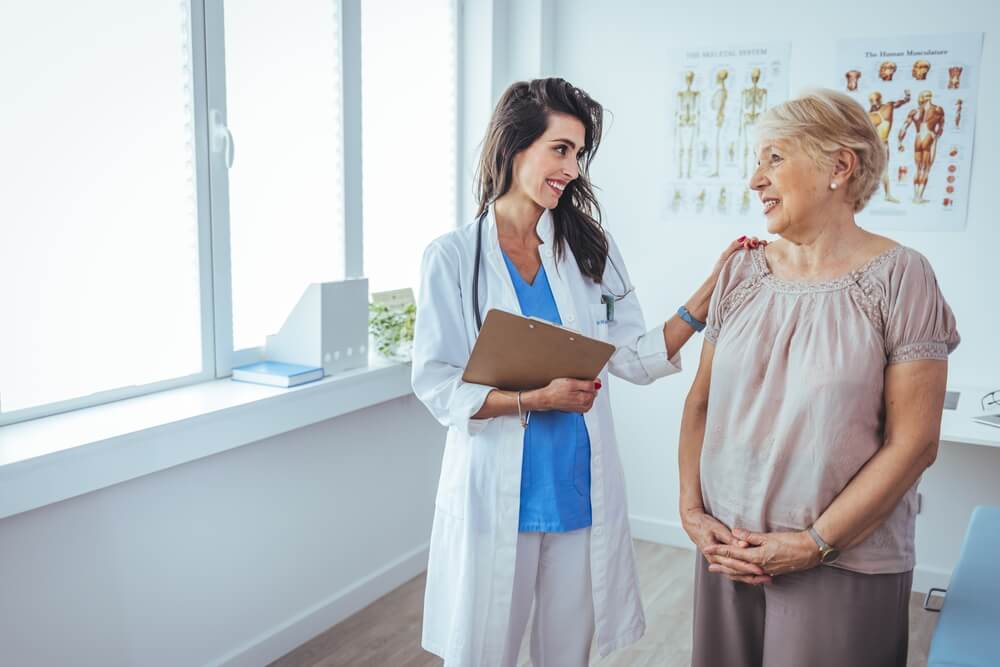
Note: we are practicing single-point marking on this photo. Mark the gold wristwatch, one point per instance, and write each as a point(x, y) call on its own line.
point(827, 553)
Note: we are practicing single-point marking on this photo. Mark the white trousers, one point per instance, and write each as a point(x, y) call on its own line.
point(553, 572)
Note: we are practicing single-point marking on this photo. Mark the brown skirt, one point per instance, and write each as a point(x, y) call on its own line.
point(824, 616)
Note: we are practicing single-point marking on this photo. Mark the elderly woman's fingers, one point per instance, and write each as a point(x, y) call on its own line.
point(724, 536)
point(748, 555)
point(738, 566)
point(746, 536)
point(754, 579)
point(749, 536)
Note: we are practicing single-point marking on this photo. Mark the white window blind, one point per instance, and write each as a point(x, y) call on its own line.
point(99, 260)
point(408, 81)
point(283, 101)
point(125, 243)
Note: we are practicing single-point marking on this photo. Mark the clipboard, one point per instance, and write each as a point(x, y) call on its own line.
point(517, 353)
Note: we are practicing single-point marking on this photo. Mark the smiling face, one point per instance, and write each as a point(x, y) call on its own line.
point(543, 170)
point(792, 187)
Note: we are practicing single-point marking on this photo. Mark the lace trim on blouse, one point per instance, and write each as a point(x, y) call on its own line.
point(860, 286)
point(918, 351)
point(732, 301)
point(802, 286)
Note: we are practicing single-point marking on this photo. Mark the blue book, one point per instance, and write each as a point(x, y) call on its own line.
point(276, 373)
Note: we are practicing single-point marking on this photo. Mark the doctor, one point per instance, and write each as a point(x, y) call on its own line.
point(531, 501)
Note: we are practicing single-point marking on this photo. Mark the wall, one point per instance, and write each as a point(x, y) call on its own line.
point(233, 559)
point(618, 51)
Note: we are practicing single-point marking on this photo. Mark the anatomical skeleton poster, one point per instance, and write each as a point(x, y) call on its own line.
point(715, 95)
point(921, 94)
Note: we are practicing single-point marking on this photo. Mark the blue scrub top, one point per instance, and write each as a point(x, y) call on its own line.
point(555, 472)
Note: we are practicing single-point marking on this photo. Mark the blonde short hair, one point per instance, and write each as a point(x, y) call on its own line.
point(821, 122)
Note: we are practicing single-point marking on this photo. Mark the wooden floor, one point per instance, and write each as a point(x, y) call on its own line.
point(387, 632)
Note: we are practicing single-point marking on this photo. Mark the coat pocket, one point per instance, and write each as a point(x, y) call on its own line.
point(454, 481)
point(599, 320)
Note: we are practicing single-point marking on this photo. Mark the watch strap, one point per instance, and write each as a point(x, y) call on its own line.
point(820, 542)
point(828, 553)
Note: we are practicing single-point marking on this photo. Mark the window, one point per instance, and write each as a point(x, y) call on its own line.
point(172, 188)
point(408, 83)
point(286, 181)
point(102, 269)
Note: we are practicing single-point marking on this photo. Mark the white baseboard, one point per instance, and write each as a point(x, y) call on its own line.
point(671, 534)
point(279, 640)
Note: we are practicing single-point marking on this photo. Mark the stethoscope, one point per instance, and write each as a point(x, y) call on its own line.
point(608, 299)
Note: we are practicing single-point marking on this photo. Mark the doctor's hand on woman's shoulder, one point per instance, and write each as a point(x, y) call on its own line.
point(742, 243)
point(697, 305)
point(564, 394)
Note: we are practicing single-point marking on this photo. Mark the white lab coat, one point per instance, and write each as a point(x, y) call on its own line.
point(474, 538)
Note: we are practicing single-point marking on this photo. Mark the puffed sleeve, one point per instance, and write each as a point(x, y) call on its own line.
point(733, 277)
point(919, 323)
point(441, 347)
point(641, 354)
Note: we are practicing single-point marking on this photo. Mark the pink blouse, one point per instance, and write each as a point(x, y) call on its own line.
point(796, 401)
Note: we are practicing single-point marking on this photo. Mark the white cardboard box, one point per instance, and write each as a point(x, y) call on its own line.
point(328, 327)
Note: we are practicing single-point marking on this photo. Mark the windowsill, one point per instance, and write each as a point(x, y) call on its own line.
point(47, 460)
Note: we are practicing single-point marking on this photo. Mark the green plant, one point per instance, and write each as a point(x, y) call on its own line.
point(391, 326)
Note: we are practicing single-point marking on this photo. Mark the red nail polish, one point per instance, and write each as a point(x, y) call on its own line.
point(741, 239)
point(597, 384)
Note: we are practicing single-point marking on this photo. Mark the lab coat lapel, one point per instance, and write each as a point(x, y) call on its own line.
point(560, 273)
point(505, 297)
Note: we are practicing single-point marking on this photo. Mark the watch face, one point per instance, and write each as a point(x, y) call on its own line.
point(830, 555)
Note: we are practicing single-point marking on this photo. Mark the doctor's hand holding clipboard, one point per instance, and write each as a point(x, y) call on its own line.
point(531, 498)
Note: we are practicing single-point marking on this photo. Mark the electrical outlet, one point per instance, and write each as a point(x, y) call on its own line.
point(951, 400)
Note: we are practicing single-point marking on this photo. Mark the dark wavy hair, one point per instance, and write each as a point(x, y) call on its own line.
point(520, 117)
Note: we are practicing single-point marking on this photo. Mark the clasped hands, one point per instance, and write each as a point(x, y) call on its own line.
point(745, 556)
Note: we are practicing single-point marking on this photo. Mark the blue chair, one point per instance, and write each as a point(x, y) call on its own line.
point(968, 631)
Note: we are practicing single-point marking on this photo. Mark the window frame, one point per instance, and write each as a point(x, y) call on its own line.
point(212, 149)
point(349, 42)
point(208, 296)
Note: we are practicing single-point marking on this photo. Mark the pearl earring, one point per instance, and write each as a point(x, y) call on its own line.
point(833, 186)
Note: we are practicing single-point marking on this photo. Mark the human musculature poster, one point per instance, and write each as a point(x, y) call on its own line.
point(921, 94)
point(715, 96)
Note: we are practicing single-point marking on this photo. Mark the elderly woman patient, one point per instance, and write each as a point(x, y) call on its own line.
point(816, 407)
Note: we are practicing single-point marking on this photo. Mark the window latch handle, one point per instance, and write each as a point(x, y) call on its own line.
point(221, 137)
